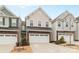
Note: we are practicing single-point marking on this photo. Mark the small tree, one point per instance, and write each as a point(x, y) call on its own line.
point(61, 41)
point(23, 42)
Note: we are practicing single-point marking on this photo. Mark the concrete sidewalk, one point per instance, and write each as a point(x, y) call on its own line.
point(51, 48)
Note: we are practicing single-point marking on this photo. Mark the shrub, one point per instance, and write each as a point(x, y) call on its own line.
point(23, 42)
point(61, 41)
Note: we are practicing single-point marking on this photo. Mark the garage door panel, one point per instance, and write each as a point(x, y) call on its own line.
point(38, 38)
point(8, 38)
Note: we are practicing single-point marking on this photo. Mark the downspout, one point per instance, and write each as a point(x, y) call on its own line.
point(77, 30)
point(70, 30)
point(19, 40)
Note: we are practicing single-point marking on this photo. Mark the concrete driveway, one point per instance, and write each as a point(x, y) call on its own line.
point(6, 48)
point(51, 48)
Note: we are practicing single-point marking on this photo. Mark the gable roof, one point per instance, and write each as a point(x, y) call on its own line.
point(62, 16)
point(39, 9)
point(6, 11)
point(1, 13)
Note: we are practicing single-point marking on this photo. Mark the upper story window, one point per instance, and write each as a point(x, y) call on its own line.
point(72, 25)
point(13, 22)
point(2, 21)
point(66, 24)
point(47, 24)
point(59, 24)
point(31, 22)
point(39, 23)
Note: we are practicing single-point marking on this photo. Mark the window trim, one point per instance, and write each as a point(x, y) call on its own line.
point(66, 24)
point(59, 24)
point(72, 25)
point(47, 24)
point(31, 23)
point(39, 23)
point(1, 21)
point(10, 22)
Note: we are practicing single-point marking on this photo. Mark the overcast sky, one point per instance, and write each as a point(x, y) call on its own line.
point(52, 10)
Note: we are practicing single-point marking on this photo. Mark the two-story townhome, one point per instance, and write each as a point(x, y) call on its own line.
point(38, 27)
point(9, 26)
point(77, 28)
point(64, 26)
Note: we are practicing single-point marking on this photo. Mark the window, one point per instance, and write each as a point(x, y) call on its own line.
point(39, 23)
point(1, 21)
point(13, 22)
point(1, 13)
point(1, 35)
point(31, 34)
point(66, 24)
point(31, 23)
point(47, 24)
point(59, 24)
point(46, 35)
point(72, 25)
point(13, 35)
point(7, 35)
point(41, 35)
point(37, 35)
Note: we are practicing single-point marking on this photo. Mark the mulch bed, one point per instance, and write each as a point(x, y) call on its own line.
point(22, 49)
point(73, 46)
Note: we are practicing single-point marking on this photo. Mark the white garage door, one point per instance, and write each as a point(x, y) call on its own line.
point(38, 38)
point(67, 37)
point(8, 38)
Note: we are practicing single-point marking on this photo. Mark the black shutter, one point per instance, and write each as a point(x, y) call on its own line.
point(10, 22)
point(3, 21)
point(17, 22)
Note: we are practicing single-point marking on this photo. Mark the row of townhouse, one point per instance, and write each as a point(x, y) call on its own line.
point(38, 27)
point(41, 28)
